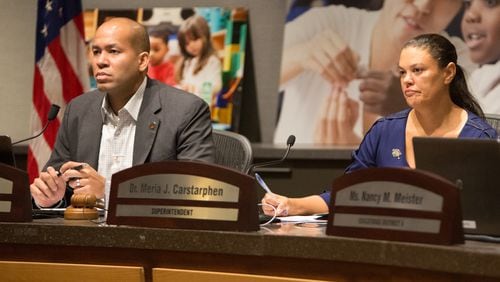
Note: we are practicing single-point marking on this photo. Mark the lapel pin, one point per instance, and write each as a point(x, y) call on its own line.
point(152, 125)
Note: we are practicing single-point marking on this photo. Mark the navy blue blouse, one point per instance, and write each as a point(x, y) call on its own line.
point(384, 145)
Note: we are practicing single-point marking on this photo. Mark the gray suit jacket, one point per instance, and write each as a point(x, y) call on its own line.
point(172, 125)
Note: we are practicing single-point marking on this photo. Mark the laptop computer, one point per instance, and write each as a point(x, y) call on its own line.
point(6, 154)
point(474, 166)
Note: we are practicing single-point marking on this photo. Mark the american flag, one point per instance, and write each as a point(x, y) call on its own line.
point(61, 71)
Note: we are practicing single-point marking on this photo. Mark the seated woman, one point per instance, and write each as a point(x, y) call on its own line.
point(440, 104)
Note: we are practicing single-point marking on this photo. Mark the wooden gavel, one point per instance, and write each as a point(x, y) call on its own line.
point(83, 206)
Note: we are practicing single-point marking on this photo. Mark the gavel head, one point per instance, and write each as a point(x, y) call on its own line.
point(83, 200)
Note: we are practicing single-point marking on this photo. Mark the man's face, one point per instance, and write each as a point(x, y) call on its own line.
point(117, 65)
point(481, 30)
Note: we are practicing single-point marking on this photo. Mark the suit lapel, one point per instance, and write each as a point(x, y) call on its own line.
point(147, 124)
point(90, 139)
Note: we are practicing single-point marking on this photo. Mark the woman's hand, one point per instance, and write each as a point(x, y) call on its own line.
point(280, 204)
point(292, 206)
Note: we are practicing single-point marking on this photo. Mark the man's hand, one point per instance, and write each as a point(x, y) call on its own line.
point(48, 188)
point(83, 179)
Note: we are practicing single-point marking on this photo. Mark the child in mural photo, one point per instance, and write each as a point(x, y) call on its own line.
point(199, 69)
point(481, 32)
point(160, 68)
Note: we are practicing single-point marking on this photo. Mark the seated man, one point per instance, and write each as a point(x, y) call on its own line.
point(129, 120)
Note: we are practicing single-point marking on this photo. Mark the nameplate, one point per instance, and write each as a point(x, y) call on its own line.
point(392, 195)
point(6, 186)
point(396, 204)
point(185, 212)
point(387, 222)
point(178, 187)
point(182, 194)
point(15, 198)
point(5, 206)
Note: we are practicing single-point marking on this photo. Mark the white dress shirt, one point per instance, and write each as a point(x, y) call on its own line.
point(118, 134)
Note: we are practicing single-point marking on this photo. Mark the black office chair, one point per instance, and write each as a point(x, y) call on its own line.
point(232, 150)
point(494, 121)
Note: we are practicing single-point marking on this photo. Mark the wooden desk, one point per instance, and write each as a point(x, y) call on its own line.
point(285, 250)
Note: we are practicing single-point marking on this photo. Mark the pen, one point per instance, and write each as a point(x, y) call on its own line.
point(78, 167)
point(262, 183)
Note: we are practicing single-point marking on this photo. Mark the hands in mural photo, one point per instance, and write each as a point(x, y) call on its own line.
point(326, 54)
point(374, 89)
point(337, 119)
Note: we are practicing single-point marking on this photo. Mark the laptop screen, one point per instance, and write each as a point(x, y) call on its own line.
point(474, 165)
point(6, 155)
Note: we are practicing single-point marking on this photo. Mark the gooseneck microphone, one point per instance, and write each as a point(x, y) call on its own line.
point(54, 109)
point(289, 143)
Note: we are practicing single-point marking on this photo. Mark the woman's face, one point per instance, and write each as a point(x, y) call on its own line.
point(405, 19)
point(423, 82)
point(481, 30)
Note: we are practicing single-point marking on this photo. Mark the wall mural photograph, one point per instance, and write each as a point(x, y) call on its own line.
point(200, 50)
point(339, 64)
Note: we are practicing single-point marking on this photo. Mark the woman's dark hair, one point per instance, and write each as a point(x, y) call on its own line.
point(443, 51)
